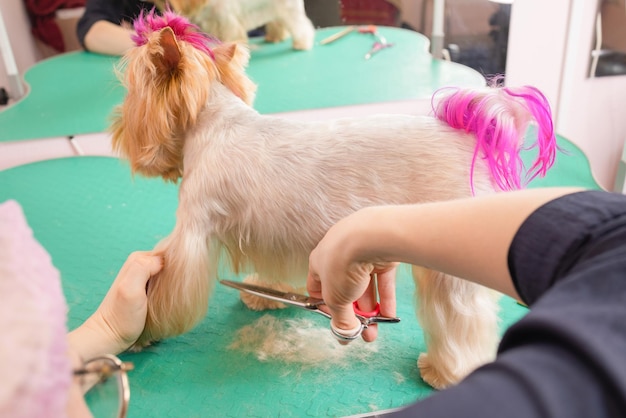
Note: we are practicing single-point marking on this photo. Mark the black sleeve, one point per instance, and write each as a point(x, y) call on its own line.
point(560, 237)
point(114, 11)
point(567, 356)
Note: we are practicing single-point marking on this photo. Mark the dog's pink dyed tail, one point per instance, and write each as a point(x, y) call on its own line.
point(500, 117)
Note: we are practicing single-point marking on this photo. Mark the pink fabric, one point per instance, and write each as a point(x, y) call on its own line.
point(35, 370)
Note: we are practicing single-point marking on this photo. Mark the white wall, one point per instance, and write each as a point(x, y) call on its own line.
point(536, 49)
point(591, 109)
point(549, 47)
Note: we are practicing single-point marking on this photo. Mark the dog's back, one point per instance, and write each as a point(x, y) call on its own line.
point(271, 187)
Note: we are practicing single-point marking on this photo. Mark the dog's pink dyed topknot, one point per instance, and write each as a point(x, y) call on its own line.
point(494, 118)
point(183, 29)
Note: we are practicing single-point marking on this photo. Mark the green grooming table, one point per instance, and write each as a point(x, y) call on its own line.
point(74, 93)
point(89, 214)
point(337, 74)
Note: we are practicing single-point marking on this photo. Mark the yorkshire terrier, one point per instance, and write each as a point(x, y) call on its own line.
point(263, 190)
point(231, 20)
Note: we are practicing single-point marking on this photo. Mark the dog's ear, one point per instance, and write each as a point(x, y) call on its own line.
point(232, 52)
point(168, 60)
point(146, 127)
point(231, 60)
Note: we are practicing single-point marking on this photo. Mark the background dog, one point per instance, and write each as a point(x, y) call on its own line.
point(264, 190)
point(231, 20)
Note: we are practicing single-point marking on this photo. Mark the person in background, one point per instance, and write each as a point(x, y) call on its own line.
point(106, 25)
point(561, 251)
point(45, 370)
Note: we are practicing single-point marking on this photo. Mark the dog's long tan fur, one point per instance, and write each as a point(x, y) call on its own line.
point(264, 190)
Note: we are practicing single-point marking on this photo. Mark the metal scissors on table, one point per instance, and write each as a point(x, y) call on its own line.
point(313, 304)
point(380, 43)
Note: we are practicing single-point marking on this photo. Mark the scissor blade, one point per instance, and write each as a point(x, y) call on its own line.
point(289, 298)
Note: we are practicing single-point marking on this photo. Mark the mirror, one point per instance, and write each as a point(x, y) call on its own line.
point(476, 32)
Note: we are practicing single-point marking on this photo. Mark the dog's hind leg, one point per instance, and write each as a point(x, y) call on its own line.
point(460, 323)
point(275, 32)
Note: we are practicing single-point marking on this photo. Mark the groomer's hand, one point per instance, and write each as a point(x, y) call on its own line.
point(121, 317)
point(341, 270)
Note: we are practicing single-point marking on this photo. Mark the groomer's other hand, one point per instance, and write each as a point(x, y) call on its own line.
point(340, 272)
point(121, 317)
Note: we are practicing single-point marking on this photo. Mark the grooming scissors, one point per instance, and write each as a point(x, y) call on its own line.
point(313, 305)
point(380, 43)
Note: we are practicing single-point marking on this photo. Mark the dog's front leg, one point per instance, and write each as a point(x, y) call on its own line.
point(295, 21)
point(178, 295)
point(460, 323)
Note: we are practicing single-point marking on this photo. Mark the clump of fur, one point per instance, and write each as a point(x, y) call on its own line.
point(299, 342)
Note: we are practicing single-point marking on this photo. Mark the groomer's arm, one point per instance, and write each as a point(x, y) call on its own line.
point(108, 38)
point(468, 238)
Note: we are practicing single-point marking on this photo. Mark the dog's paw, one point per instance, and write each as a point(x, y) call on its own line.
point(139, 345)
point(432, 375)
point(302, 44)
point(304, 39)
point(257, 303)
point(303, 35)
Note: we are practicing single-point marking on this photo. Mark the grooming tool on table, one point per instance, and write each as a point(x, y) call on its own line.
point(380, 43)
point(313, 305)
point(340, 34)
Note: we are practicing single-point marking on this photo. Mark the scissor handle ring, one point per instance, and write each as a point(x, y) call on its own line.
point(367, 29)
point(347, 335)
point(374, 312)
